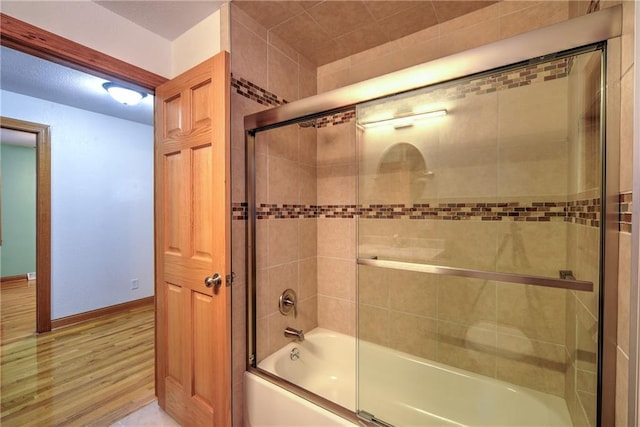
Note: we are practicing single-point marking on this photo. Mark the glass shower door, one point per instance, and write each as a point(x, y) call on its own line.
point(479, 248)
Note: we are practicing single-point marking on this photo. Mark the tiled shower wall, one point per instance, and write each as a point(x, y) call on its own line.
point(502, 20)
point(494, 197)
point(250, 61)
point(286, 244)
point(266, 73)
point(336, 233)
point(621, 81)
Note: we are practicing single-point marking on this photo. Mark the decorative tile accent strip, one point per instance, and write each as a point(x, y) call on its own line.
point(513, 211)
point(256, 93)
point(239, 211)
point(510, 79)
point(262, 96)
point(274, 211)
point(585, 212)
point(336, 119)
point(625, 205)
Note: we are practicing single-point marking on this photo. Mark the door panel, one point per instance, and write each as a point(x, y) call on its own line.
point(203, 215)
point(174, 199)
point(193, 371)
point(203, 348)
point(175, 332)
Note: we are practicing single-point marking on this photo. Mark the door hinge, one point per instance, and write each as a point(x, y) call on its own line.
point(230, 278)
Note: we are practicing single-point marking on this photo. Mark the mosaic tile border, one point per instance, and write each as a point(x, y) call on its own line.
point(625, 209)
point(335, 119)
point(239, 211)
point(511, 79)
point(585, 212)
point(256, 93)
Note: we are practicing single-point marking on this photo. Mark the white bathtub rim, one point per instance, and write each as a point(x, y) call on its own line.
point(280, 407)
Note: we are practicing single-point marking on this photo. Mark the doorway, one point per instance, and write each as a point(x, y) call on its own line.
point(43, 215)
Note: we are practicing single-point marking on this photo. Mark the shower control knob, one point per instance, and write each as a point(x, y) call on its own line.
point(288, 302)
point(215, 280)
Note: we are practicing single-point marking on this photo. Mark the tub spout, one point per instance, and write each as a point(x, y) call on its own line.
point(294, 333)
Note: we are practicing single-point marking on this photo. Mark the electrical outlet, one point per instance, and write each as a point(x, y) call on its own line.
point(134, 284)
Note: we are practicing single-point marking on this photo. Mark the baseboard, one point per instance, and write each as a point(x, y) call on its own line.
point(93, 314)
point(13, 281)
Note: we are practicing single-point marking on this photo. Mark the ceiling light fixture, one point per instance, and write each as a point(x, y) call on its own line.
point(404, 120)
point(123, 94)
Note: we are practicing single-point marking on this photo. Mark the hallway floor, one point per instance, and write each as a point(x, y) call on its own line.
point(91, 373)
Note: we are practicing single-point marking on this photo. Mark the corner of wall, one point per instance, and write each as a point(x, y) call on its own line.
point(197, 44)
point(225, 27)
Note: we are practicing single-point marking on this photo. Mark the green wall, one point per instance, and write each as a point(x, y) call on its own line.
point(18, 254)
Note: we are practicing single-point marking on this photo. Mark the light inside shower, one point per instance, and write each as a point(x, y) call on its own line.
point(404, 120)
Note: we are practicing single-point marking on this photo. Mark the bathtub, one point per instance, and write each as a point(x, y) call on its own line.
point(395, 387)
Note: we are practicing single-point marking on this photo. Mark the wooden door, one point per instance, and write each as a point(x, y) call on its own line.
point(193, 326)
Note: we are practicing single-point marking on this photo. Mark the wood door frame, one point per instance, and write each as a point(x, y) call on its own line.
point(35, 41)
point(43, 216)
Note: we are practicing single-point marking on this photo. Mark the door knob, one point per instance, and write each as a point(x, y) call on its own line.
point(215, 280)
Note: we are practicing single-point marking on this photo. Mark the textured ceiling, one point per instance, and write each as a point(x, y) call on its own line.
point(325, 31)
point(168, 19)
point(31, 76)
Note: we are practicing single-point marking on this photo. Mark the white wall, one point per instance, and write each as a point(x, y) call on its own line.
point(196, 45)
point(102, 204)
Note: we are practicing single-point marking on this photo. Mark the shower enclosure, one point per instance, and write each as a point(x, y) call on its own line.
point(479, 244)
point(435, 257)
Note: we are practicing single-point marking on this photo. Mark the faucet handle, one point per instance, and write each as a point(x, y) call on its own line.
point(287, 302)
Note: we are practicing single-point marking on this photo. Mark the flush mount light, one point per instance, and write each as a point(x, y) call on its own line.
point(122, 94)
point(405, 120)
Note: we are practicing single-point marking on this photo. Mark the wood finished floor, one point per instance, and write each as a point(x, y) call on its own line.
point(93, 373)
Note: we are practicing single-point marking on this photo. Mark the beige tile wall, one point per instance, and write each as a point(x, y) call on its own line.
point(529, 135)
point(336, 184)
point(290, 244)
point(508, 17)
point(286, 173)
point(626, 116)
point(495, 22)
